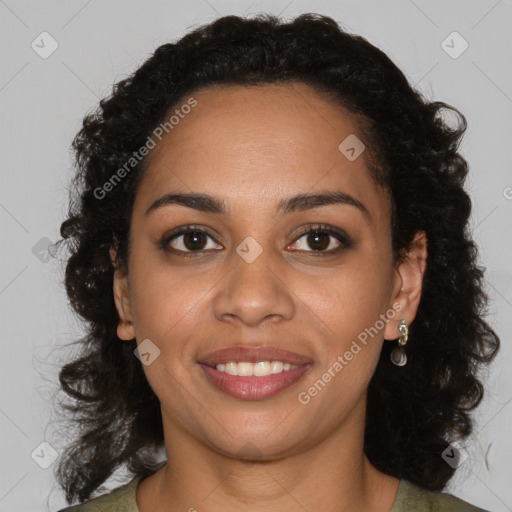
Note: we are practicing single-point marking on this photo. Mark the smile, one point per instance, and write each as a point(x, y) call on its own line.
point(250, 373)
point(254, 387)
point(259, 369)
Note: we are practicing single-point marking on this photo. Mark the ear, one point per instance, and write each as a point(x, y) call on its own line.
point(125, 329)
point(408, 284)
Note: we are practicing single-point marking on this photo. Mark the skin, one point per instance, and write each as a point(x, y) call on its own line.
point(252, 147)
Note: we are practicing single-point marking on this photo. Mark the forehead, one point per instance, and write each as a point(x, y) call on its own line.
point(254, 145)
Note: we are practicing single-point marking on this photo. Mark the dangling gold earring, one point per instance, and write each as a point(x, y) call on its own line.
point(397, 355)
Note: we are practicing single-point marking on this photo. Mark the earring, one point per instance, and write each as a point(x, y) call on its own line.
point(397, 355)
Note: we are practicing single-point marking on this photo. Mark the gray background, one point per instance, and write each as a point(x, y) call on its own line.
point(44, 100)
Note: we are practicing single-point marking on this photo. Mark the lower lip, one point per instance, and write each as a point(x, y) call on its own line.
point(254, 388)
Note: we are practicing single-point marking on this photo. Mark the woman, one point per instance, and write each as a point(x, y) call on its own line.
point(269, 239)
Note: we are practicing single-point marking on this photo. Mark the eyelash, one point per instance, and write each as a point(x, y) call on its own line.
point(336, 233)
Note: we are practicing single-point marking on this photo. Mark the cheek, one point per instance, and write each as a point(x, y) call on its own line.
point(350, 308)
point(164, 304)
point(169, 301)
point(352, 297)
point(352, 305)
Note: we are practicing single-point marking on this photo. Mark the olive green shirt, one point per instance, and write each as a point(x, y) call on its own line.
point(409, 498)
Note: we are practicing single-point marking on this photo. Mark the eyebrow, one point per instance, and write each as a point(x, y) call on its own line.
point(301, 202)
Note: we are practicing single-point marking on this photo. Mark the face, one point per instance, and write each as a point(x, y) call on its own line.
point(249, 275)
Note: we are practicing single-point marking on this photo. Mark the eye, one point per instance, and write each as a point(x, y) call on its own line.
point(188, 239)
point(323, 239)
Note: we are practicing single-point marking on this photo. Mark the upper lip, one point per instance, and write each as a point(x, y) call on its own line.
point(253, 355)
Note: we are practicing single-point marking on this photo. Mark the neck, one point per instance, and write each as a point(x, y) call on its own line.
point(333, 475)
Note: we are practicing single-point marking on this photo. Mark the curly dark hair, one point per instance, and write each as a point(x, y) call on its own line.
point(412, 413)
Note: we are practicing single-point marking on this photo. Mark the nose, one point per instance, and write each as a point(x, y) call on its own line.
point(254, 291)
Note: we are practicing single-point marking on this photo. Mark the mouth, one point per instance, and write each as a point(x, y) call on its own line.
point(253, 374)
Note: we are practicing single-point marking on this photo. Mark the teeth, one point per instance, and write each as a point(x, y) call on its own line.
point(245, 369)
point(276, 366)
point(259, 369)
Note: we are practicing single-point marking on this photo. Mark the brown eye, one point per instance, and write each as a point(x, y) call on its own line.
point(322, 239)
point(318, 241)
point(193, 241)
point(189, 240)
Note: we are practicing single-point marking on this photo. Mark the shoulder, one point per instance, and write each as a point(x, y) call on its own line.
point(121, 499)
point(413, 497)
